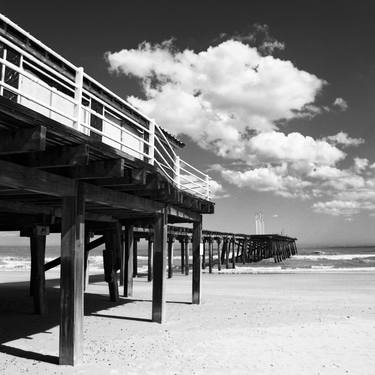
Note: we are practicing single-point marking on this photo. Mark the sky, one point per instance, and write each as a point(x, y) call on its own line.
point(275, 100)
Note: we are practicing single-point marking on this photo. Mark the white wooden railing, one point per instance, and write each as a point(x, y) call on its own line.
point(70, 99)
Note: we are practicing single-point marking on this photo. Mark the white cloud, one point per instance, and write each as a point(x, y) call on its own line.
point(230, 98)
point(337, 207)
point(294, 147)
point(341, 104)
point(217, 190)
point(360, 164)
point(216, 95)
point(275, 216)
point(267, 179)
point(343, 139)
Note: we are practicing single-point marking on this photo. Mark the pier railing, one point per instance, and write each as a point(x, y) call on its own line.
point(35, 76)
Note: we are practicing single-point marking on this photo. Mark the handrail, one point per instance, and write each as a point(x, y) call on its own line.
point(72, 102)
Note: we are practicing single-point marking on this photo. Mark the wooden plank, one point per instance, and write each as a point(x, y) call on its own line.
point(170, 257)
point(160, 255)
point(23, 140)
point(197, 268)
point(54, 157)
point(71, 282)
point(128, 261)
point(20, 177)
point(108, 197)
point(88, 247)
point(97, 169)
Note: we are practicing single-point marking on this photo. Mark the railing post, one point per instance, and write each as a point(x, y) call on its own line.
point(207, 187)
point(177, 172)
point(151, 139)
point(78, 97)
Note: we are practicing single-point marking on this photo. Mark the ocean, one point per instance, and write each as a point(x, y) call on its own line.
point(323, 259)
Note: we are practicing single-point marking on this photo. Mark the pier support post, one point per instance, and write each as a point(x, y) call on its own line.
point(218, 255)
point(122, 257)
point(233, 252)
point(150, 257)
point(204, 254)
point(182, 245)
point(111, 257)
point(86, 260)
point(160, 255)
point(71, 281)
point(135, 257)
point(186, 251)
point(197, 269)
point(170, 257)
point(37, 281)
point(210, 254)
point(128, 261)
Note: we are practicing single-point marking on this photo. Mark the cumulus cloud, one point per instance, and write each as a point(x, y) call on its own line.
point(343, 139)
point(267, 179)
point(341, 104)
point(259, 35)
point(216, 96)
point(360, 164)
point(230, 99)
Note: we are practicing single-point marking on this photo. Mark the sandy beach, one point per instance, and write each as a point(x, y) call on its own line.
point(260, 324)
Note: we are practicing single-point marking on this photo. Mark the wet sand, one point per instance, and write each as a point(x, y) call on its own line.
point(247, 324)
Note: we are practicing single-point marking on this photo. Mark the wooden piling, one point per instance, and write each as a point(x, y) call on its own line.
point(135, 257)
point(186, 255)
point(170, 257)
point(233, 251)
point(210, 254)
point(182, 247)
point(128, 261)
point(160, 255)
point(204, 254)
point(196, 249)
point(218, 255)
point(150, 256)
point(71, 282)
point(227, 250)
point(38, 248)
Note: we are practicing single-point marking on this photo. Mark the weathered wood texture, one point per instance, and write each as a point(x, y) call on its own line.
point(160, 255)
point(71, 283)
point(37, 281)
point(128, 261)
point(197, 246)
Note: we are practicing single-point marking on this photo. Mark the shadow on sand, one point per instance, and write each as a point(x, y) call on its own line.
point(18, 321)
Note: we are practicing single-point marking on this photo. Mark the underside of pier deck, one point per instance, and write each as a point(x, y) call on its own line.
point(56, 179)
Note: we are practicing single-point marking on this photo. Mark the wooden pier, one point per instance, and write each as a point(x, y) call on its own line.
point(220, 249)
point(76, 159)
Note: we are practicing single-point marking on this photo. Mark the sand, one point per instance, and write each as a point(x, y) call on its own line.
point(247, 324)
